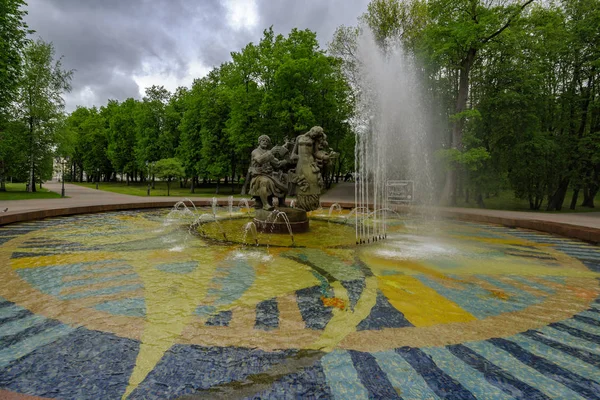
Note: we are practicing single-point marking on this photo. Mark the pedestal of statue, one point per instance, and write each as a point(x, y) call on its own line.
point(275, 222)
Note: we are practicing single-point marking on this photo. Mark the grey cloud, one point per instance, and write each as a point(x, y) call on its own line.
point(107, 42)
point(321, 16)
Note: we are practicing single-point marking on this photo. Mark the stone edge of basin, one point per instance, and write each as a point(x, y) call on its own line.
point(588, 234)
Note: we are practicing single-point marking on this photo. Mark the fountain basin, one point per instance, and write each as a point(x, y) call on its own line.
point(137, 288)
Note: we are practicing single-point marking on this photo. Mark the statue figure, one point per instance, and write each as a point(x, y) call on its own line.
point(267, 176)
point(311, 156)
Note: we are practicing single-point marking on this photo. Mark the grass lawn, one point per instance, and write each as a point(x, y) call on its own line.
point(16, 191)
point(506, 200)
point(160, 189)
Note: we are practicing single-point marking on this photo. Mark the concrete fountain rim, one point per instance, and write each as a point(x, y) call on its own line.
point(508, 219)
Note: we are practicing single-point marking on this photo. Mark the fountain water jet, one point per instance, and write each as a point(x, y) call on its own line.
point(392, 132)
point(230, 205)
point(250, 227)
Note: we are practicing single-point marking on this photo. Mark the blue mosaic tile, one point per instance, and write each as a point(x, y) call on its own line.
point(310, 383)
point(4, 239)
point(441, 383)
point(82, 365)
point(267, 315)
point(220, 319)
point(314, 313)
point(10, 340)
point(355, 289)
point(576, 332)
point(372, 377)
point(342, 377)
point(582, 354)
point(585, 387)
point(131, 307)
point(383, 315)
point(178, 268)
point(193, 369)
point(498, 377)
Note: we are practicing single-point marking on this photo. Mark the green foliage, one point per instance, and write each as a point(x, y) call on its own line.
point(168, 169)
point(122, 135)
point(13, 41)
point(40, 105)
point(152, 140)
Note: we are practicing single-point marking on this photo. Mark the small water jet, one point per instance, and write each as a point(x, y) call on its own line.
point(335, 207)
point(214, 205)
point(244, 205)
point(250, 227)
point(273, 219)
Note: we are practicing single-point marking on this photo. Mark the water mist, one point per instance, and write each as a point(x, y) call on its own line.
point(392, 140)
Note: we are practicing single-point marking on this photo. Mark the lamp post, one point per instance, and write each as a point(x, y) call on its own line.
point(63, 162)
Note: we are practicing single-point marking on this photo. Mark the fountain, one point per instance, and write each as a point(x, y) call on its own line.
point(141, 298)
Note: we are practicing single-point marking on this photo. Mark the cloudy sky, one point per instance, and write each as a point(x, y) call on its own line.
point(119, 47)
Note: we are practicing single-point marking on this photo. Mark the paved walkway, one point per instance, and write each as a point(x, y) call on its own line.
point(83, 199)
point(344, 192)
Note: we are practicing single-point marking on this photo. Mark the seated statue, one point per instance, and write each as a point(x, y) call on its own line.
point(268, 178)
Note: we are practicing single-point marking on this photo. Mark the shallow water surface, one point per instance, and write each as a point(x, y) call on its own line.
point(137, 305)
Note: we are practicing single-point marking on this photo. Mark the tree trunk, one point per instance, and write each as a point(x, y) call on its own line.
point(193, 185)
point(588, 196)
point(168, 187)
point(246, 183)
point(558, 198)
point(217, 192)
point(449, 192)
point(574, 199)
point(480, 202)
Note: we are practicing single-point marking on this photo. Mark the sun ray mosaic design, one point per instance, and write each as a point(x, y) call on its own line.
point(133, 305)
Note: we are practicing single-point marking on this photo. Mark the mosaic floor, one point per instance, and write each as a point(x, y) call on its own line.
point(132, 305)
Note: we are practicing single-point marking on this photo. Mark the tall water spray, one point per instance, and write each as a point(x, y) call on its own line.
point(392, 140)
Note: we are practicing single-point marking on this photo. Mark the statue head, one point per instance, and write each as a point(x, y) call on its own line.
point(315, 132)
point(264, 141)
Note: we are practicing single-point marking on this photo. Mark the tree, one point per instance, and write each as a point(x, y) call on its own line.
point(94, 144)
point(122, 137)
point(39, 102)
point(13, 151)
point(168, 169)
point(151, 143)
point(216, 147)
point(13, 41)
point(189, 150)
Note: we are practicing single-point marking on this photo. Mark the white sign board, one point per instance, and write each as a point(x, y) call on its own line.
point(400, 192)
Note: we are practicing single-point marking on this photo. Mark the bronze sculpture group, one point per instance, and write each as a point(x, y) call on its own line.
point(294, 168)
